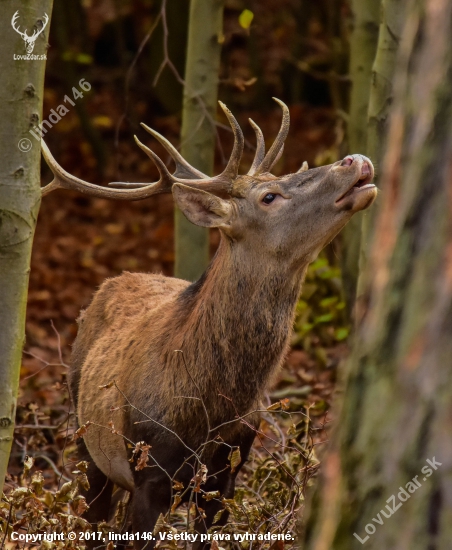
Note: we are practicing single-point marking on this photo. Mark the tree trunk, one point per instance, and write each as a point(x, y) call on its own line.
point(363, 46)
point(198, 124)
point(394, 425)
point(380, 102)
point(20, 107)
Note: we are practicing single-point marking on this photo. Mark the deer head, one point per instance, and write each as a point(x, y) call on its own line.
point(290, 218)
point(29, 40)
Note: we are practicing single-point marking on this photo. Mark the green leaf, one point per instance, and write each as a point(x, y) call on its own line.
point(324, 318)
point(341, 333)
point(326, 302)
point(246, 18)
point(301, 306)
point(84, 58)
point(326, 273)
point(320, 262)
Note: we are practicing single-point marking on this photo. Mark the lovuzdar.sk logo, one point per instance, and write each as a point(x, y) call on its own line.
point(29, 40)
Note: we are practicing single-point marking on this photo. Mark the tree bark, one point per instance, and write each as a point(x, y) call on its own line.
point(397, 402)
point(380, 102)
point(20, 108)
point(198, 129)
point(363, 46)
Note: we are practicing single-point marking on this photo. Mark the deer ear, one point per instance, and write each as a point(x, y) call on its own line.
point(200, 207)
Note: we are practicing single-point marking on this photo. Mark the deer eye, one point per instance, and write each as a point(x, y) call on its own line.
point(269, 197)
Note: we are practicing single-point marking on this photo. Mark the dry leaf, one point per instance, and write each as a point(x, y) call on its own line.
point(235, 458)
point(200, 478)
point(81, 431)
point(141, 449)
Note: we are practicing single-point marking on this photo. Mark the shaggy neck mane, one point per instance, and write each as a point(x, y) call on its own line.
point(240, 313)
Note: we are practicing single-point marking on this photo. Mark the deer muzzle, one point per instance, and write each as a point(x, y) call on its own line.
point(359, 192)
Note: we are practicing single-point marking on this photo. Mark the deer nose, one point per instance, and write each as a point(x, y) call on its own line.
point(348, 161)
point(365, 169)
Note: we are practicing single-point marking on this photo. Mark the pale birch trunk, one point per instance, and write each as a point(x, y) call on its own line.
point(363, 46)
point(198, 130)
point(380, 102)
point(20, 108)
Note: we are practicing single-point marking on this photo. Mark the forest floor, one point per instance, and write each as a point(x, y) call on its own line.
point(80, 241)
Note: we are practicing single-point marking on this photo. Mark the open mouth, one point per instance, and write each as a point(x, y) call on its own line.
point(364, 182)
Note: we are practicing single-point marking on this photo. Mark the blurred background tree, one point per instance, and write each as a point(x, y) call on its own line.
point(202, 66)
point(363, 47)
point(395, 412)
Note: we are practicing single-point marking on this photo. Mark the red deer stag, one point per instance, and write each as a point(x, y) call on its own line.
point(188, 360)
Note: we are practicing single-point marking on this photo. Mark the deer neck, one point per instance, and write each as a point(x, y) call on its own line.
point(240, 314)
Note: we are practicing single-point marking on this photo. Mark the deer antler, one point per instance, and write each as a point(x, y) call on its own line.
point(260, 148)
point(190, 176)
point(184, 173)
point(265, 163)
point(195, 178)
point(63, 179)
point(183, 168)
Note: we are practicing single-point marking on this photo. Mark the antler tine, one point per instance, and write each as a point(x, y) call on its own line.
point(303, 168)
point(278, 156)
point(260, 148)
point(183, 168)
point(63, 179)
point(208, 184)
point(224, 182)
point(184, 171)
point(161, 167)
point(232, 168)
point(275, 151)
